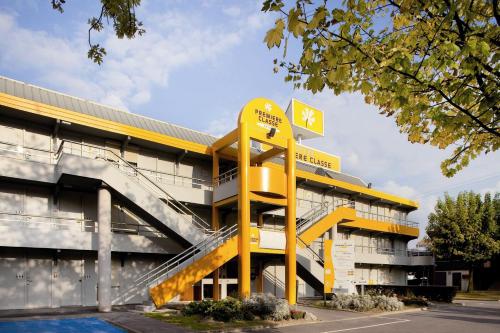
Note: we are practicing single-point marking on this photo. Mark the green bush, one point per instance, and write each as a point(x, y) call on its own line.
point(202, 308)
point(226, 309)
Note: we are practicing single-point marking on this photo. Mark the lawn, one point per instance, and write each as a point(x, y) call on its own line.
point(480, 295)
point(199, 323)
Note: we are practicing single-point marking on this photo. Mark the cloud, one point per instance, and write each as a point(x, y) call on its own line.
point(232, 11)
point(132, 69)
point(222, 125)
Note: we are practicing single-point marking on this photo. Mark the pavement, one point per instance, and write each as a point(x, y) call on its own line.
point(462, 316)
point(466, 316)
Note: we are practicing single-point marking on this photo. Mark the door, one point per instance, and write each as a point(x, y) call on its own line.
point(89, 282)
point(38, 283)
point(68, 284)
point(456, 280)
point(12, 283)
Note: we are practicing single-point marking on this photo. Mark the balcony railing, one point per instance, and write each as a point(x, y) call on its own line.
point(59, 223)
point(50, 157)
point(390, 251)
point(385, 218)
point(226, 177)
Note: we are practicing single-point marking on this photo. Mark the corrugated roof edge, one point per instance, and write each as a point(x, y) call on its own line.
point(110, 107)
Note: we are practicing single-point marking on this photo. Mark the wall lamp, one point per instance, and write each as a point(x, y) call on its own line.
point(271, 133)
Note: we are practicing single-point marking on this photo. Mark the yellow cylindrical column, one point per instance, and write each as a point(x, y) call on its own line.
point(290, 228)
point(243, 212)
point(215, 226)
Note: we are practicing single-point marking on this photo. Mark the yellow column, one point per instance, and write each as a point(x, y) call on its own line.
point(215, 226)
point(244, 212)
point(260, 220)
point(290, 227)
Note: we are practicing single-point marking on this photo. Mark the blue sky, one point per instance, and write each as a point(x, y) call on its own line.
point(197, 65)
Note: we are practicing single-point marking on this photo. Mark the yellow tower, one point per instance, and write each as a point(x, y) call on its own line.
point(263, 125)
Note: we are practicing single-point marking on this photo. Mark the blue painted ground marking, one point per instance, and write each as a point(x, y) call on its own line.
point(72, 325)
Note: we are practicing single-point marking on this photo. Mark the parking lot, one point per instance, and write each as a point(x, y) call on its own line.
point(467, 316)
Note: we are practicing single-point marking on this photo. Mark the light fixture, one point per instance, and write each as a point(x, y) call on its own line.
point(271, 133)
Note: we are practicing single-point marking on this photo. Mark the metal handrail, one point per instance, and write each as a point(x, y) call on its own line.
point(311, 251)
point(180, 260)
point(84, 225)
point(391, 251)
point(226, 177)
point(198, 221)
point(35, 219)
point(386, 218)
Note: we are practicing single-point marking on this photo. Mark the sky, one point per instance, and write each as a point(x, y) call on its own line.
point(197, 65)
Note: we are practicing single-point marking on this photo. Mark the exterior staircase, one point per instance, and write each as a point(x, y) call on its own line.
point(88, 161)
point(173, 277)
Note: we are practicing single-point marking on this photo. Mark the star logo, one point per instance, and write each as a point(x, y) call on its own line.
point(268, 107)
point(308, 117)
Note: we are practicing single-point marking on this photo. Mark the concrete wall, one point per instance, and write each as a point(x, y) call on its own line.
point(31, 217)
point(43, 278)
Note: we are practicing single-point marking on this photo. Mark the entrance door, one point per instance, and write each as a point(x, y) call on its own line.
point(456, 280)
point(89, 282)
point(69, 282)
point(12, 283)
point(38, 283)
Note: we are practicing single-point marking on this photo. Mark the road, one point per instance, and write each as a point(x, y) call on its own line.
point(472, 316)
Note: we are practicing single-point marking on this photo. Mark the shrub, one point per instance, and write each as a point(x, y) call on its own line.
point(281, 310)
point(267, 306)
point(366, 303)
point(385, 303)
point(431, 293)
point(297, 314)
point(226, 310)
point(202, 308)
point(362, 303)
point(341, 302)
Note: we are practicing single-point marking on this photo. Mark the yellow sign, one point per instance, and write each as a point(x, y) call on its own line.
point(317, 158)
point(267, 121)
point(307, 121)
point(329, 276)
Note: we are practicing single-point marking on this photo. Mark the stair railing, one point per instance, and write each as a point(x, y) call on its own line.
point(134, 173)
point(179, 261)
point(311, 251)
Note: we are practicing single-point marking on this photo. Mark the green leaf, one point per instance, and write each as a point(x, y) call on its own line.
point(275, 35)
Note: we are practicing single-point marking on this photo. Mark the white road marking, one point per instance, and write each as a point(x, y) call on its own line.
point(399, 321)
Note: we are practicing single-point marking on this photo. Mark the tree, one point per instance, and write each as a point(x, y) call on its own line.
point(465, 229)
point(120, 12)
point(432, 65)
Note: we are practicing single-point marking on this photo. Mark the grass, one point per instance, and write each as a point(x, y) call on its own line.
point(198, 323)
point(478, 295)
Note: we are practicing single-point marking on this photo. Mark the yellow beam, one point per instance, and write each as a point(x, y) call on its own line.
point(226, 201)
point(290, 226)
point(99, 123)
point(215, 226)
point(388, 227)
point(266, 155)
point(356, 188)
point(244, 211)
point(225, 141)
